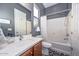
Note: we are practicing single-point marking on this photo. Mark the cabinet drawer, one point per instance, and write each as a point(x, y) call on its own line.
point(38, 49)
point(28, 53)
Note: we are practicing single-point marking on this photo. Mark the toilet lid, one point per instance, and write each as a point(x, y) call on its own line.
point(46, 44)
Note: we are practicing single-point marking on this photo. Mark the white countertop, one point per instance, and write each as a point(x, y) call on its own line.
point(18, 47)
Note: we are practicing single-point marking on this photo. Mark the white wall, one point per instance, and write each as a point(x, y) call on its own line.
point(44, 27)
point(56, 30)
point(73, 28)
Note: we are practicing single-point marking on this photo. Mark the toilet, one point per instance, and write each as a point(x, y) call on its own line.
point(46, 47)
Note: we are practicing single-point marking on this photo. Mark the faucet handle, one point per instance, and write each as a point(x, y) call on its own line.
point(65, 38)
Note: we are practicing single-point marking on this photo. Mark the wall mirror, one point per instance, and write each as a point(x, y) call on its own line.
point(20, 22)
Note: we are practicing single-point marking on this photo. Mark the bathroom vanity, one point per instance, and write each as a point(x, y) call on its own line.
point(26, 47)
point(36, 50)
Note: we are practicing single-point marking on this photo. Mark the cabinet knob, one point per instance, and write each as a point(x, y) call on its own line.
point(31, 52)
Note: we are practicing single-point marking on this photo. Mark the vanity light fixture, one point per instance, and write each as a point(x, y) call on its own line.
point(5, 21)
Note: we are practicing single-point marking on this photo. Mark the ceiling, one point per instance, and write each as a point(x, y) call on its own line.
point(46, 5)
point(27, 5)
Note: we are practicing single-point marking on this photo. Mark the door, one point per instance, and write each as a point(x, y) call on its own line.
point(20, 22)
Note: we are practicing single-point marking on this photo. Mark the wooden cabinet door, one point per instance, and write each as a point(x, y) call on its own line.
point(38, 49)
point(28, 53)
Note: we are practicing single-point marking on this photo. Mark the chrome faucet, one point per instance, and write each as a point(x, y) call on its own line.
point(21, 37)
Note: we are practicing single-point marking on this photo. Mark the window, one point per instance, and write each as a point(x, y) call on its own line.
point(36, 12)
point(36, 16)
point(36, 19)
point(35, 22)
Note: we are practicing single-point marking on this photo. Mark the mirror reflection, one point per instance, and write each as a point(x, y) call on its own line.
point(15, 19)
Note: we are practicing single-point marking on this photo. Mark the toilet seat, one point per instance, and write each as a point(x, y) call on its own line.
point(46, 44)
